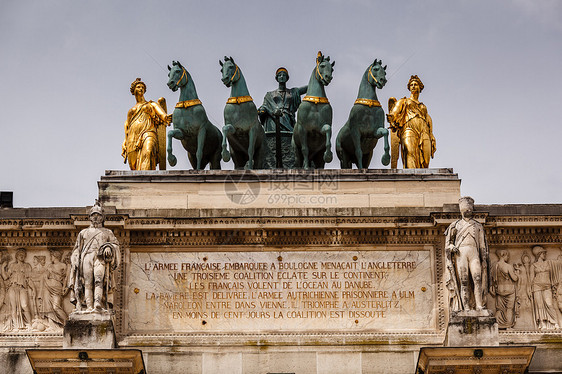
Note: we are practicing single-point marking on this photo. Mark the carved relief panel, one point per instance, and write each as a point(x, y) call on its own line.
point(526, 287)
point(33, 290)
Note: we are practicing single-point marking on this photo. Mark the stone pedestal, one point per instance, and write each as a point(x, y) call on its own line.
point(86, 361)
point(472, 329)
point(198, 190)
point(486, 360)
point(89, 330)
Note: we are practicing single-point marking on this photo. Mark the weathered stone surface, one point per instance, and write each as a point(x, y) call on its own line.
point(177, 362)
point(472, 328)
point(339, 363)
point(478, 359)
point(280, 362)
point(86, 361)
point(382, 362)
point(222, 363)
point(232, 189)
point(91, 330)
point(301, 232)
point(14, 361)
point(282, 291)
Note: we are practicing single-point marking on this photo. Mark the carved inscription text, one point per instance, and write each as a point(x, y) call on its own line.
point(241, 291)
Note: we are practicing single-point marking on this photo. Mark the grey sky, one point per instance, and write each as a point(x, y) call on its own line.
point(491, 70)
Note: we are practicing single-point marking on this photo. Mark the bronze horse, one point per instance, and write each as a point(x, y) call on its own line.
point(358, 137)
point(313, 129)
point(242, 128)
point(200, 138)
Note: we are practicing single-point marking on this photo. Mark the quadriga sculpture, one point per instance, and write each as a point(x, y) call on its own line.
point(313, 130)
point(358, 137)
point(200, 138)
point(242, 128)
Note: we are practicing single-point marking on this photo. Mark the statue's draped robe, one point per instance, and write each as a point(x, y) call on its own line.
point(92, 240)
point(19, 282)
point(288, 101)
point(52, 290)
point(466, 230)
point(37, 275)
point(414, 128)
point(141, 140)
point(504, 281)
point(548, 276)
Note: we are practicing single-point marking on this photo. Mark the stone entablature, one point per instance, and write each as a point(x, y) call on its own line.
point(296, 234)
point(260, 189)
point(283, 234)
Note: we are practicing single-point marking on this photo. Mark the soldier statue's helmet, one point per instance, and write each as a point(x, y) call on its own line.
point(96, 209)
point(466, 200)
point(537, 250)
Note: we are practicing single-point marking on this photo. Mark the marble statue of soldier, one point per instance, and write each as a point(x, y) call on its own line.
point(467, 260)
point(95, 257)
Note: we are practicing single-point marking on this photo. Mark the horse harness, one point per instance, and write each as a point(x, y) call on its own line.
point(233, 75)
point(239, 99)
point(368, 102)
point(188, 103)
point(371, 74)
point(316, 99)
point(318, 66)
point(184, 73)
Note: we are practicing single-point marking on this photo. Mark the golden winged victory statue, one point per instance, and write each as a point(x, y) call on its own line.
point(145, 131)
point(412, 129)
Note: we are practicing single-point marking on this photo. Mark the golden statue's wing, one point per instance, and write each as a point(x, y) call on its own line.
point(394, 138)
point(161, 136)
point(391, 103)
point(432, 138)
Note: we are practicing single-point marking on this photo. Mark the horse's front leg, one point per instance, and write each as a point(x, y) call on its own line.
point(226, 130)
point(304, 149)
point(200, 143)
point(382, 132)
point(173, 134)
point(356, 141)
point(252, 134)
point(327, 130)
